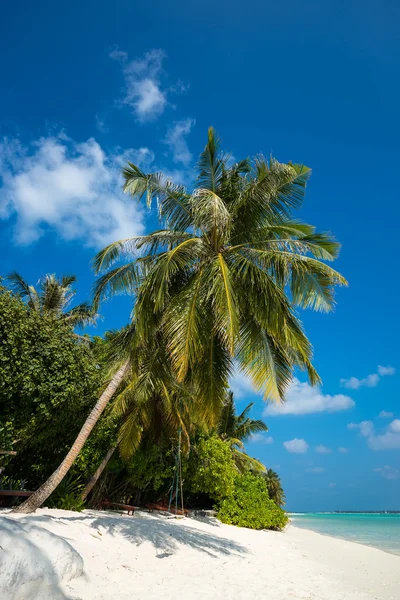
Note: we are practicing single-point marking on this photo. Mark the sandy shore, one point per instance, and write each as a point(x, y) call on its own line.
point(93, 555)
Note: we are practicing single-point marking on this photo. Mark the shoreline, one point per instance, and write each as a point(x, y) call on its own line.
point(339, 537)
point(94, 555)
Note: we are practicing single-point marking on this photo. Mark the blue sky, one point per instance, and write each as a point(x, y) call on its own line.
point(86, 85)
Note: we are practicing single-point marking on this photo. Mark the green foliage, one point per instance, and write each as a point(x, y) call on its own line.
point(235, 429)
point(274, 486)
point(67, 496)
point(48, 383)
point(151, 468)
point(212, 470)
point(53, 298)
point(249, 506)
point(223, 276)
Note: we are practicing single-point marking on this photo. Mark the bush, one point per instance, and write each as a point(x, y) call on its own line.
point(249, 506)
point(67, 496)
point(212, 470)
point(48, 383)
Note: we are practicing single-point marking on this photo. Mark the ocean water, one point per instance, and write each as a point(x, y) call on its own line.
point(380, 530)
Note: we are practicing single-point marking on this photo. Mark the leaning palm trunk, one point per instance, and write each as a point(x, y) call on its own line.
point(37, 499)
point(96, 476)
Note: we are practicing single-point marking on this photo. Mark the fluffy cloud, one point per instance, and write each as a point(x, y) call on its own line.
point(144, 92)
point(71, 188)
point(343, 450)
point(261, 438)
point(296, 446)
point(366, 427)
point(353, 383)
point(386, 370)
point(302, 399)
point(176, 140)
point(315, 470)
point(323, 449)
point(384, 414)
point(388, 439)
point(387, 472)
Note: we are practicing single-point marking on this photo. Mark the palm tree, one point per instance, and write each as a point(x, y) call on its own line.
point(164, 414)
point(44, 491)
point(236, 429)
point(53, 297)
point(221, 279)
point(153, 403)
point(224, 275)
point(274, 486)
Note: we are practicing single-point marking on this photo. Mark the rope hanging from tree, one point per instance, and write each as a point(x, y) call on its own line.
point(177, 483)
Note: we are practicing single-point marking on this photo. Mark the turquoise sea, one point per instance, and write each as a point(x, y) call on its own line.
point(381, 530)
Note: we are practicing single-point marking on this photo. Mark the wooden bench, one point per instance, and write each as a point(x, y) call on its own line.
point(128, 507)
point(11, 495)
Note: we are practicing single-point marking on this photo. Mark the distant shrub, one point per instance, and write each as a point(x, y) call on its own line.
point(249, 506)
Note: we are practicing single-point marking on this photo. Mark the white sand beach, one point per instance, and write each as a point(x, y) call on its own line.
point(92, 555)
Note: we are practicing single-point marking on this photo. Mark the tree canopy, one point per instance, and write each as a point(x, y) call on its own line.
point(223, 277)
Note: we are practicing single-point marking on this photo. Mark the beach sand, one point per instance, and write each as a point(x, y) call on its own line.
point(92, 555)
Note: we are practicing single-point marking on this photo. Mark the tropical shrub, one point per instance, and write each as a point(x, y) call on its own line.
point(249, 506)
point(67, 496)
point(212, 470)
point(48, 382)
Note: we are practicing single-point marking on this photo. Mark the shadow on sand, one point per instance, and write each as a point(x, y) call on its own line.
point(164, 534)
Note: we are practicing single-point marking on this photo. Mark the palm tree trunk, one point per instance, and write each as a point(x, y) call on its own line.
point(37, 499)
point(94, 479)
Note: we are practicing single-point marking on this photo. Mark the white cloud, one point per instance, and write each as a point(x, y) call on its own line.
point(323, 449)
point(366, 427)
point(145, 92)
point(73, 189)
point(353, 383)
point(241, 385)
point(296, 446)
point(261, 438)
point(302, 399)
point(315, 470)
point(384, 414)
point(343, 450)
point(389, 439)
point(387, 472)
point(395, 426)
point(100, 124)
point(386, 370)
point(176, 140)
point(332, 484)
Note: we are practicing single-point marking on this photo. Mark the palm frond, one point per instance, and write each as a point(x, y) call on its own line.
point(121, 280)
point(173, 200)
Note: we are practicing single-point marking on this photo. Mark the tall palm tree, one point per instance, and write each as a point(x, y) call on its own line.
point(54, 297)
point(236, 429)
point(274, 486)
point(226, 272)
point(222, 278)
point(165, 413)
point(149, 393)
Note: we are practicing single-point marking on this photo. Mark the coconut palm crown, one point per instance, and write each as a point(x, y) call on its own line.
point(53, 296)
point(224, 276)
point(236, 429)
